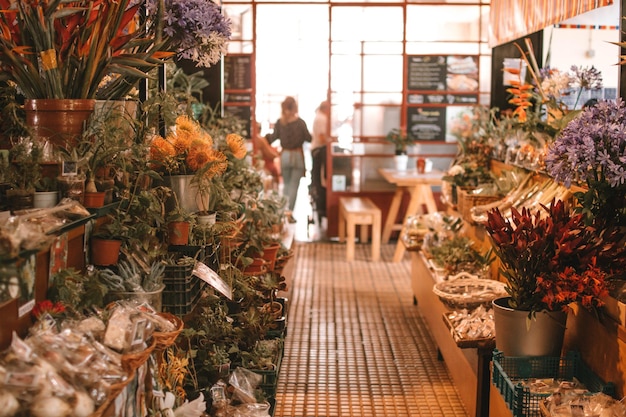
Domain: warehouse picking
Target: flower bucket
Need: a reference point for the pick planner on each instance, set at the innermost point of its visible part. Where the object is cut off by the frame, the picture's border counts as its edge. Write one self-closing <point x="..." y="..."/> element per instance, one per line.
<point x="105" y="252"/>
<point x="515" y="337"/>
<point x="189" y="197"/>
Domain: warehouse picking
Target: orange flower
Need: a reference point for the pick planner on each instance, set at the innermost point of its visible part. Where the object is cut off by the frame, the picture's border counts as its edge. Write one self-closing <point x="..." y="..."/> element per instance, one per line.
<point x="187" y="125"/>
<point x="161" y="149"/>
<point x="219" y="164"/>
<point x="236" y="145"/>
<point x="181" y="140"/>
<point x="198" y="157"/>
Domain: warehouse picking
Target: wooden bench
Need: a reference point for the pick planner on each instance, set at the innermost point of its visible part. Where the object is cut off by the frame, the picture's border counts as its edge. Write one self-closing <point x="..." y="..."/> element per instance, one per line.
<point x="359" y="211"/>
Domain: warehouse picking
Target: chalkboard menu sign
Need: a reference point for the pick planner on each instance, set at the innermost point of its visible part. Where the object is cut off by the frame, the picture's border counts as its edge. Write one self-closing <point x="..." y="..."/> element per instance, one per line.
<point x="443" y="72"/>
<point x="237" y="72"/>
<point x="427" y="72"/>
<point x="435" y="84"/>
<point x="415" y="98"/>
<point x="426" y="123"/>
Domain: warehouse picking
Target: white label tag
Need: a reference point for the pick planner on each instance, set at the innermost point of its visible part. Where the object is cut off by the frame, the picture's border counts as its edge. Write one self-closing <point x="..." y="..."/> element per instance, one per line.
<point x="210" y="277"/>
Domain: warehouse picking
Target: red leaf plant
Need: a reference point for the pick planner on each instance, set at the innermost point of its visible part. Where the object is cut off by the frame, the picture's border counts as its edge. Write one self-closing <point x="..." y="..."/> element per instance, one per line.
<point x="551" y="258"/>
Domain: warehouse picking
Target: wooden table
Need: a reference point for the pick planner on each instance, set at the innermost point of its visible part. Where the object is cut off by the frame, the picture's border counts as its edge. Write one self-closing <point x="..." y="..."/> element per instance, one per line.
<point x="419" y="187"/>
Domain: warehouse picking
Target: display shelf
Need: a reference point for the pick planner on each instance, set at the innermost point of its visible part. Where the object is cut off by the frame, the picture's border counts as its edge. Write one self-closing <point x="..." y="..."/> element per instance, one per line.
<point x="468" y="366"/>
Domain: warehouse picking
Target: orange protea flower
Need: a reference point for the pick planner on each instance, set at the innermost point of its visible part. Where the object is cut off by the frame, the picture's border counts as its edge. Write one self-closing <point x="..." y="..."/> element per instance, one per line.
<point x="161" y="149"/>
<point x="181" y="141"/>
<point x="219" y="164"/>
<point x="198" y="157"/>
<point x="203" y="141"/>
<point x="236" y="145"/>
<point x="185" y="124"/>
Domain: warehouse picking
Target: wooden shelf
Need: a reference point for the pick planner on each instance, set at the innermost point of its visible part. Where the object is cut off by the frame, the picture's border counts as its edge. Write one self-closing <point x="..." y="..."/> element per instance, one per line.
<point x="468" y="366"/>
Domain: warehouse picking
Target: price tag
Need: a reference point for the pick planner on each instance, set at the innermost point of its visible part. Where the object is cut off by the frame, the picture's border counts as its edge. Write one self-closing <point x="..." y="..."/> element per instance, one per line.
<point x="213" y="279"/>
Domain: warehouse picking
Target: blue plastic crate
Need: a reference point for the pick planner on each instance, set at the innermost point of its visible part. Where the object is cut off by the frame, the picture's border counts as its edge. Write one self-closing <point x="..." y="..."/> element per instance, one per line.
<point x="509" y="373"/>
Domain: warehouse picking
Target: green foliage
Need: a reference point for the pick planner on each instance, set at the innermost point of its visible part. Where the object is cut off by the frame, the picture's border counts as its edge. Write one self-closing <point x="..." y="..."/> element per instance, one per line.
<point x="76" y="290"/>
<point x="24" y="164"/>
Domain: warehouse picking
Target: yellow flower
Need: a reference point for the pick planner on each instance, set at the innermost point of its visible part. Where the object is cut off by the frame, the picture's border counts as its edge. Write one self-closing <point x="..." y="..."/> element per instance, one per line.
<point x="236" y="145"/>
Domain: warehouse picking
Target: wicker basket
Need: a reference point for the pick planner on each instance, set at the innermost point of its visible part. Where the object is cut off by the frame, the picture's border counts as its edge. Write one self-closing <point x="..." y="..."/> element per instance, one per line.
<point x="114" y="391"/>
<point x="467" y="199"/>
<point x="165" y="339"/>
<point x="132" y="361"/>
<point x="465" y="290"/>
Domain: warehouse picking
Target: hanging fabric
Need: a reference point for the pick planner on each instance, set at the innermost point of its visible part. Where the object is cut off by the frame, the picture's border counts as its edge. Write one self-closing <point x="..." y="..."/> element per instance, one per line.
<point x="513" y="19"/>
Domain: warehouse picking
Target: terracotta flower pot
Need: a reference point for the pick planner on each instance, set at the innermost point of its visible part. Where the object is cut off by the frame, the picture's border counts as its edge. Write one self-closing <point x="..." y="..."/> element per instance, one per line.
<point x="178" y="233"/>
<point x="94" y="200"/>
<point x="257" y="267"/>
<point x="59" y="121"/>
<point x="105" y="252"/>
<point x="269" y="254"/>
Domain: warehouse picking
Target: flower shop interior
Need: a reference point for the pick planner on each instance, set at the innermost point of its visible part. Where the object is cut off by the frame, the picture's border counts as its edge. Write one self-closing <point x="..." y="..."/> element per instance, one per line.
<point x="151" y="263"/>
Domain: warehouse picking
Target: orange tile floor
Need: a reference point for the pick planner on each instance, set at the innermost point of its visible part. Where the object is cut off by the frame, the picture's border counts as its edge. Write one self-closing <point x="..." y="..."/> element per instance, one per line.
<point x="356" y="345"/>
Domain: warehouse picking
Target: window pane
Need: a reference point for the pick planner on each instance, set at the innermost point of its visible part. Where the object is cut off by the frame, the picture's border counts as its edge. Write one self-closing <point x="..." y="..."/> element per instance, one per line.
<point x="346" y="73"/>
<point x="383" y="48"/>
<point x="382" y="73"/>
<point x="359" y="23"/>
<point x="441" y="48"/>
<point x="443" y="23"/>
<point x="381" y="98"/>
<point x="375" y="121"/>
<point x="346" y="47"/>
<point x="241" y="17"/>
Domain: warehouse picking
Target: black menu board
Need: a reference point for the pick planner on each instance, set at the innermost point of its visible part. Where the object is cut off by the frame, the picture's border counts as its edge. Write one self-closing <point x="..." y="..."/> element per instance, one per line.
<point x="427" y="72"/>
<point x="443" y="73"/>
<point x="237" y="72"/>
<point x="427" y="123"/>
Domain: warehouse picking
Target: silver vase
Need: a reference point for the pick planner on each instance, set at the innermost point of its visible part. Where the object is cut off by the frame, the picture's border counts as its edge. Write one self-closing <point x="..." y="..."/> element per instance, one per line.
<point x="516" y="335"/>
<point x="189" y="197"/>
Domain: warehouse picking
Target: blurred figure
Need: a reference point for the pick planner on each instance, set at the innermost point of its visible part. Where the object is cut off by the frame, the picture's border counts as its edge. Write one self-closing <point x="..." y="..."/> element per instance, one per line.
<point x="269" y="155"/>
<point x="292" y="132"/>
<point x="321" y="138"/>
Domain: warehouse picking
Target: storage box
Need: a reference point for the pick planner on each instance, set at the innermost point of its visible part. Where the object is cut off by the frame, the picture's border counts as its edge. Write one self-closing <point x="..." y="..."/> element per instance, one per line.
<point x="182" y="289"/>
<point x="509" y="373"/>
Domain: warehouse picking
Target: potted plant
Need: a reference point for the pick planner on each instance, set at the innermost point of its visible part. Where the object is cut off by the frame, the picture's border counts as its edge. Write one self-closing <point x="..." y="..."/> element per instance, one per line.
<point x="179" y="223"/>
<point x="549" y="259"/>
<point x="188" y="159"/>
<point x="24" y="172"/>
<point x="401" y="141"/>
<point x="46" y="193"/>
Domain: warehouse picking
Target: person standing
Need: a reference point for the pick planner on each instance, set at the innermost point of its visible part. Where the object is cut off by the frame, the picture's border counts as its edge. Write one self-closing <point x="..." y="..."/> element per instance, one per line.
<point x="321" y="138"/>
<point x="292" y="132"/>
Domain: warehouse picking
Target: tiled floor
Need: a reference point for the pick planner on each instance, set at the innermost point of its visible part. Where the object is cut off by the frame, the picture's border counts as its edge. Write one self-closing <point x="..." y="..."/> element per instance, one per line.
<point x="356" y="345"/>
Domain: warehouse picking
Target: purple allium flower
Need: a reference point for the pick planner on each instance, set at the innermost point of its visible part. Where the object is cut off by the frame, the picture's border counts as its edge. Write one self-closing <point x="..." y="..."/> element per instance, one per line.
<point x="592" y="147"/>
<point x="586" y="78"/>
<point x="196" y="29"/>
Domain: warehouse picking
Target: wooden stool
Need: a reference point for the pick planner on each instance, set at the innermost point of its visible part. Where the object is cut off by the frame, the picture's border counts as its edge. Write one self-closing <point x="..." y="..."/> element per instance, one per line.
<point x="363" y="212"/>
